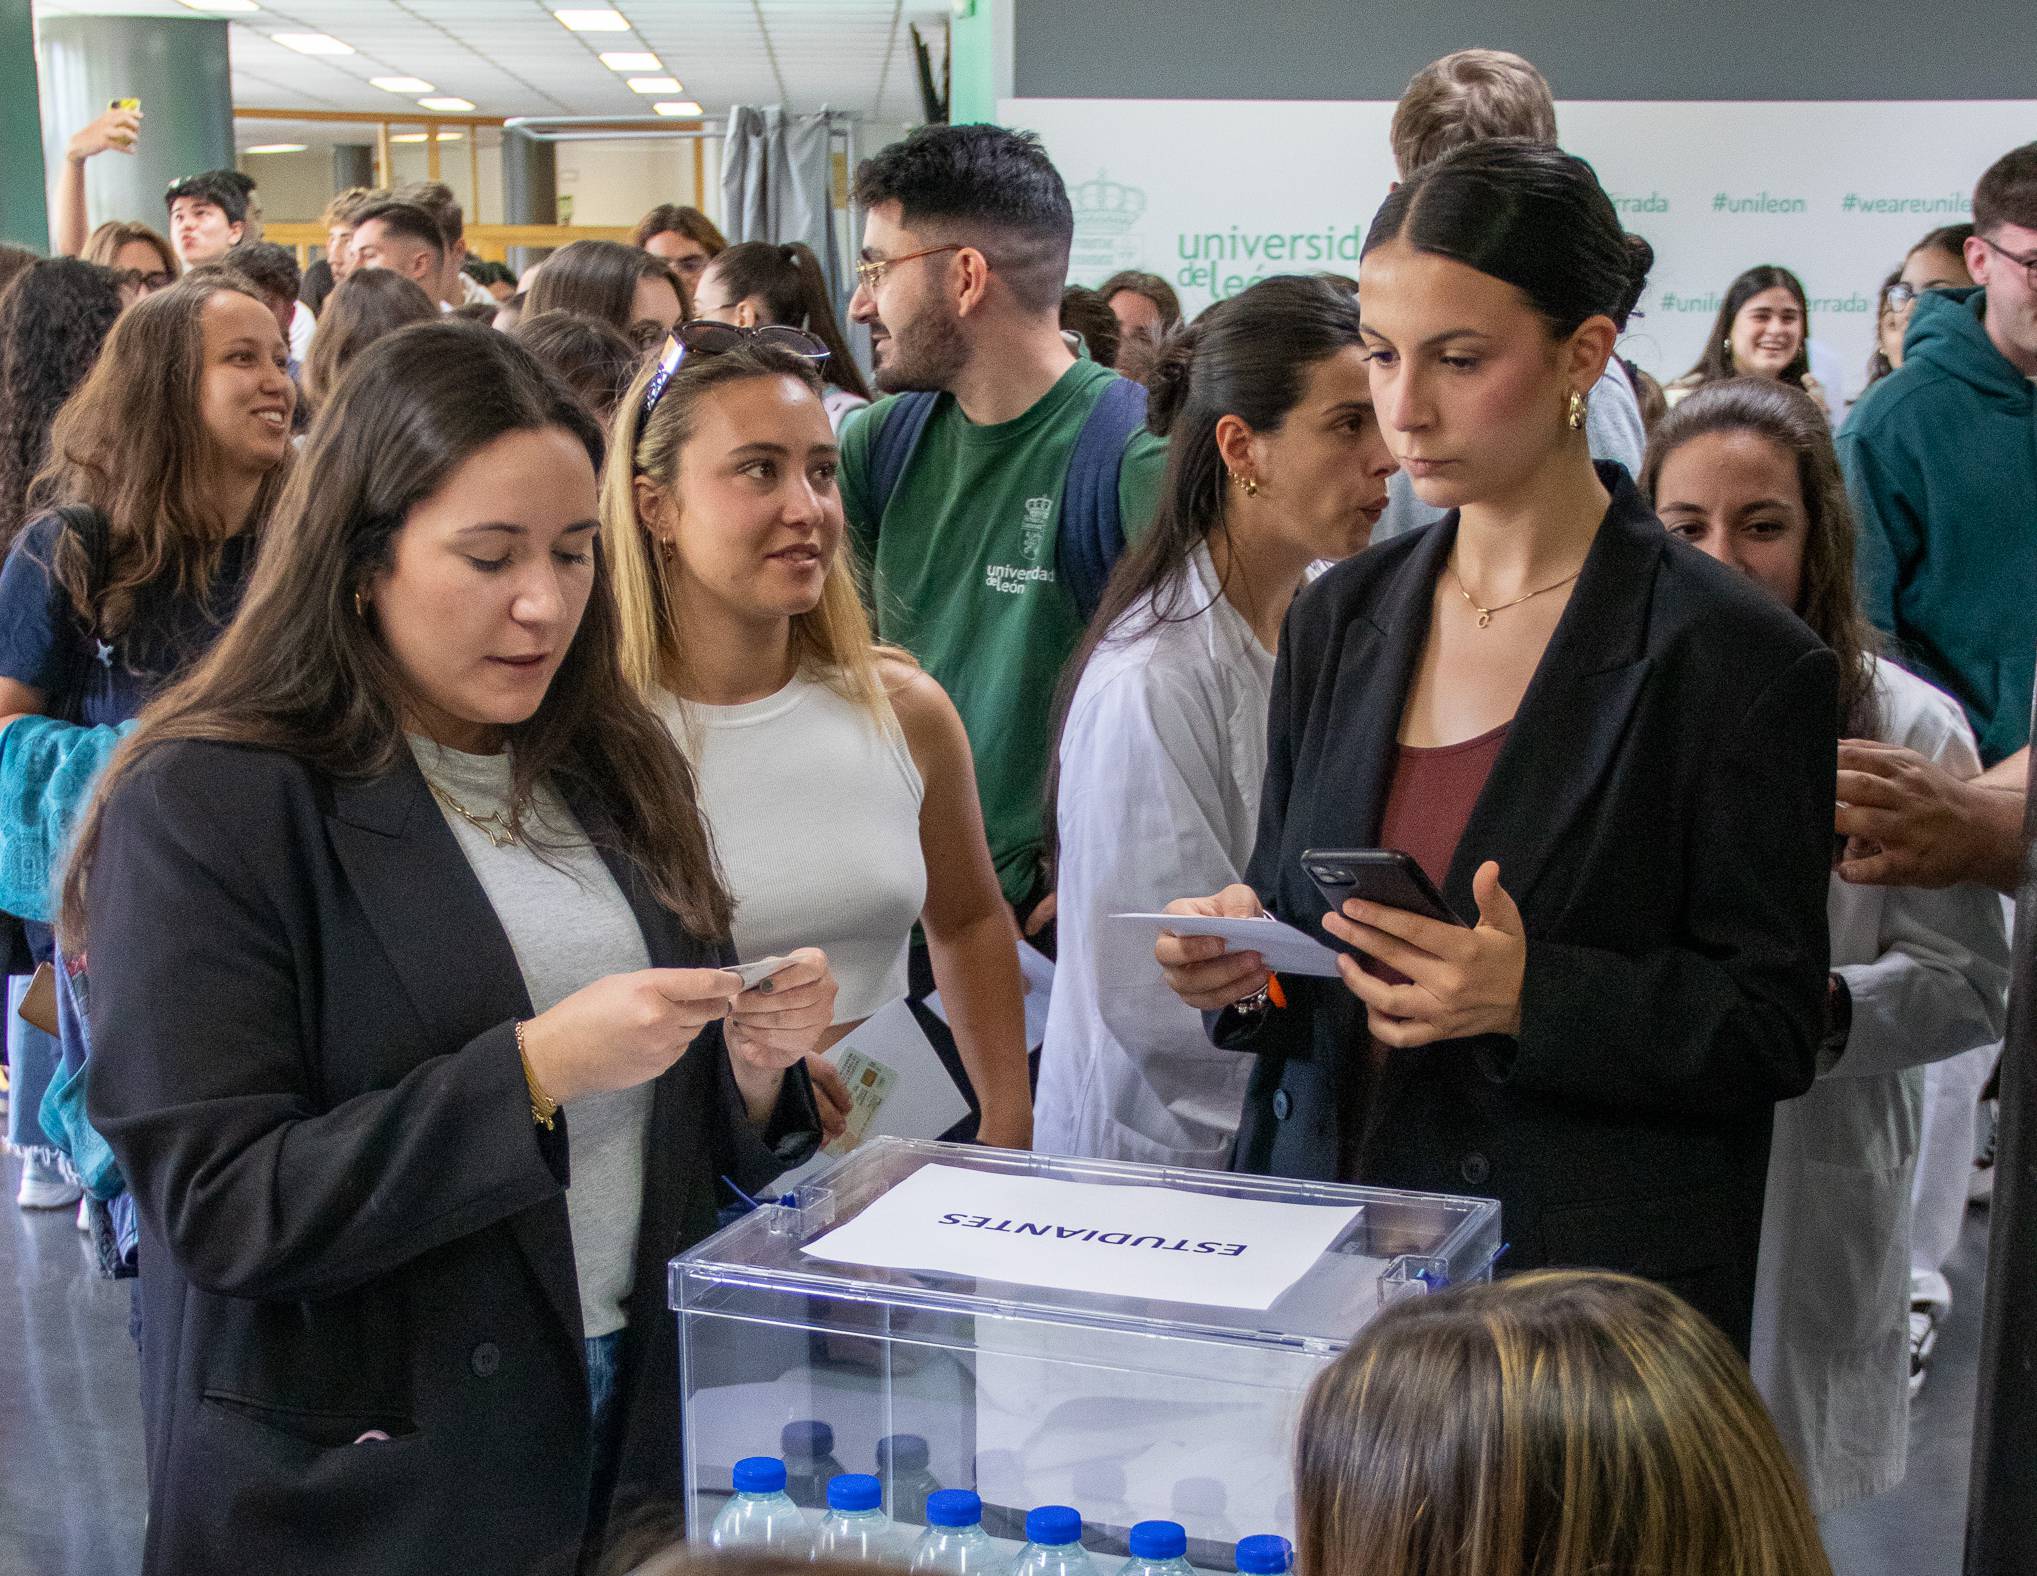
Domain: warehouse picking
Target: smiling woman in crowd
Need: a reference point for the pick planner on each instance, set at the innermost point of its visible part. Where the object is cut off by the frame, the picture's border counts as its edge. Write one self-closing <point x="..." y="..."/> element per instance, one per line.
<point x="1763" y="330"/>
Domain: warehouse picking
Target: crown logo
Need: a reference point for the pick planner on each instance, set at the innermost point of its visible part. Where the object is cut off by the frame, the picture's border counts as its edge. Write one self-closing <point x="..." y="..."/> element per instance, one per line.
<point x="1107" y="205"/>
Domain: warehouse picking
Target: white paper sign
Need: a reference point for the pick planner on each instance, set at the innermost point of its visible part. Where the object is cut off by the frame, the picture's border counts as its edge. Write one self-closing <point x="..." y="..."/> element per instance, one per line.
<point x="1156" y="1243"/>
<point x="1285" y="949"/>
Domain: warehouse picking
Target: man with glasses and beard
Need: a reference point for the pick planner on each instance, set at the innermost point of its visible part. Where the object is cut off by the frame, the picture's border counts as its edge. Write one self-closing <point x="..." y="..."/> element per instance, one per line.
<point x="991" y="497"/>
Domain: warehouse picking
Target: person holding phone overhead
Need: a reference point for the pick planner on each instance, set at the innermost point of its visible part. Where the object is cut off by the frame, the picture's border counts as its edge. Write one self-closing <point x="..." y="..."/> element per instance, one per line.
<point x="1611" y="754"/>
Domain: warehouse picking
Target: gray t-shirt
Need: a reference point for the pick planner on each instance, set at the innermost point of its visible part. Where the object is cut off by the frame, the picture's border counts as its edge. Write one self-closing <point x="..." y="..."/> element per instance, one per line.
<point x="1612" y="429"/>
<point x="569" y="925"/>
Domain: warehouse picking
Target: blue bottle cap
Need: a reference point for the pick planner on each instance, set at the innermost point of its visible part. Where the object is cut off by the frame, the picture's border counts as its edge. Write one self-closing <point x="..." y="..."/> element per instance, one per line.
<point x="1052" y="1524"/>
<point x="902" y="1453"/>
<point x="760" y="1475"/>
<point x="807" y="1438"/>
<point x="854" y="1491"/>
<point x="1268" y="1554"/>
<point x="954" y="1507"/>
<point x="1158" y="1540"/>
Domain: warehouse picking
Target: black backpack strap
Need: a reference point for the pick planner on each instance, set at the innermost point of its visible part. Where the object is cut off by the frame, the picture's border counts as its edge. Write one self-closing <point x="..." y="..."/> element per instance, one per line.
<point x="891" y="450"/>
<point x="1091" y="535"/>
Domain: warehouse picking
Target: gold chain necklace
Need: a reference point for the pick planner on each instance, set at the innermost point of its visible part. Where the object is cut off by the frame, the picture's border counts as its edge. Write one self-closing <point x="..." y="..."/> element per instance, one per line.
<point x="497" y="827"/>
<point x="1485" y="613"/>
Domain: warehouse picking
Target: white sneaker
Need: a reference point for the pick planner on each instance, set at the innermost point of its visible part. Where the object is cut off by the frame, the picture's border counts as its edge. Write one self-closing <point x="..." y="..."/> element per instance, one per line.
<point x="43" y="1188"/>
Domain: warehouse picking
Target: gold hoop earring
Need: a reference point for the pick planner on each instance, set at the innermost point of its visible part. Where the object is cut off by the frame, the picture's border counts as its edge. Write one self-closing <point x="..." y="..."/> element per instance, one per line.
<point x="360" y="605"/>
<point x="1574" y="416"/>
<point x="1251" y="487"/>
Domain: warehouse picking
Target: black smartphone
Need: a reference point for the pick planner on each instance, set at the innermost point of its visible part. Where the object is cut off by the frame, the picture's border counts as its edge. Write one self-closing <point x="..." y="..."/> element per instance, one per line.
<point x="1375" y="875"/>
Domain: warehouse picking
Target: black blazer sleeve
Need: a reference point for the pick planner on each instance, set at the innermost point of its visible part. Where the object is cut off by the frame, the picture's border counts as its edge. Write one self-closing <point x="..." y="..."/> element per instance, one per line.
<point x="1723" y="1013"/>
<point x="213" y="1112"/>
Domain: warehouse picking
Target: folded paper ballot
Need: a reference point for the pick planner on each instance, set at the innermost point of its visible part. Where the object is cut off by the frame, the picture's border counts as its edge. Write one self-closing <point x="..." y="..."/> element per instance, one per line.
<point x="1285" y="949"/>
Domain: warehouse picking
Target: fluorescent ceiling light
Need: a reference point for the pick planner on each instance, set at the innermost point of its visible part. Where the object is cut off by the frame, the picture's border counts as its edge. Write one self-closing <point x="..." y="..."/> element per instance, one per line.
<point x="312" y="43"/>
<point x="400" y="84"/>
<point x="654" y="85"/>
<point x="683" y="108"/>
<point x="455" y="106"/>
<point x="407" y="136"/>
<point x="237" y="7"/>
<point x="593" y="21"/>
<point x="628" y="60"/>
<point x="452" y="136"/>
<point x="276" y="147"/>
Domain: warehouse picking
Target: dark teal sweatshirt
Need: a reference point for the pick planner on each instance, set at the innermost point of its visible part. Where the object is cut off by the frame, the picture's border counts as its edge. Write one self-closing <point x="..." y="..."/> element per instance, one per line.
<point x="1941" y="464"/>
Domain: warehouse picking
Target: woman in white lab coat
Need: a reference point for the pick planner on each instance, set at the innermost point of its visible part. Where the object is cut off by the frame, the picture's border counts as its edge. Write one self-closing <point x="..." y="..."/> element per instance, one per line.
<point x="1275" y="462"/>
<point x="1744" y="470"/>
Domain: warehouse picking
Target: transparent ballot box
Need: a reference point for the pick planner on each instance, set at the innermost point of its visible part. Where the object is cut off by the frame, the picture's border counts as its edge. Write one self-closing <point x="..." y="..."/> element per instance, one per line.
<point x="1131" y="1340"/>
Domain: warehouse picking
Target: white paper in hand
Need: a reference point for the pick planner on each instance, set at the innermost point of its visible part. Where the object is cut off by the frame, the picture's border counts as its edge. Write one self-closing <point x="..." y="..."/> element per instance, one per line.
<point x="1285" y="949"/>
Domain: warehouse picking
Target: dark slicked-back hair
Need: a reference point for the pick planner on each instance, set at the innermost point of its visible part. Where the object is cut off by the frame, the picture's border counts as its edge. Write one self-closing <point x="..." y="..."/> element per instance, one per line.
<point x="405" y="219"/>
<point x="2007" y="193"/>
<point x="986" y="187"/>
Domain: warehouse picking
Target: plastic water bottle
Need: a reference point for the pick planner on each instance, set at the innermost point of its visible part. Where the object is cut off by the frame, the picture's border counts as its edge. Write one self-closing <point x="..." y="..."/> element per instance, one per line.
<point x="1053" y="1544"/>
<point x="810" y="1465"/>
<point x="1267" y="1554"/>
<point x="855" y="1527"/>
<point x="1159" y="1548"/>
<point x="902" y="1469"/>
<point x="761" y="1516"/>
<point x="954" y="1543"/>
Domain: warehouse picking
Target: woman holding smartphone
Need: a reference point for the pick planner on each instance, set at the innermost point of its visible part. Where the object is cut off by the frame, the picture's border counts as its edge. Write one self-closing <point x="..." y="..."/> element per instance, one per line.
<point x="413" y="1026"/>
<point x="1613" y="755"/>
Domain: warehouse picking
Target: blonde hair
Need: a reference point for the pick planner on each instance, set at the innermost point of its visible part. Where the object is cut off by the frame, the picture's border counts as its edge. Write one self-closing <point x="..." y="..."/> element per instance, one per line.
<point x="833" y="643"/>
<point x="1473" y="95"/>
<point x="104" y="244"/>
<point x="1560" y="1423"/>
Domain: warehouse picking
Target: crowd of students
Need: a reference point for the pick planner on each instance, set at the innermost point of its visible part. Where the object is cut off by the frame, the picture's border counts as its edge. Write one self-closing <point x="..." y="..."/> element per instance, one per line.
<point x="411" y="783"/>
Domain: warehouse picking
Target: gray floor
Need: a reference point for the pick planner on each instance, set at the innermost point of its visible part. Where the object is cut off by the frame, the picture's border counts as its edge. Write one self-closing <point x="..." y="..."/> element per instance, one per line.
<point x="71" y="1477"/>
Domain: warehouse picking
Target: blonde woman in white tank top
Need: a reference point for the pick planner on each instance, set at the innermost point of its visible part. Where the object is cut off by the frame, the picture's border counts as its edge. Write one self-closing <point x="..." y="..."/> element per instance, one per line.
<point x="835" y="775"/>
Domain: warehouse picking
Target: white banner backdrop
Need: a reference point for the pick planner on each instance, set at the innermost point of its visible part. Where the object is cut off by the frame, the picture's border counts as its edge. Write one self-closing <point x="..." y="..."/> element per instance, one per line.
<point x="1213" y="194"/>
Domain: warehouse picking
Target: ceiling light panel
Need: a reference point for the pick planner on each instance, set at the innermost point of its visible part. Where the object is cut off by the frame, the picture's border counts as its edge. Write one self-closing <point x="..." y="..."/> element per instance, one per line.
<point x="593" y="21"/>
<point x="276" y="147"/>
<point x="683" y="109"/>
<point x="312" y="43"/>
<point x="449" y="106"/>
<point x="404" y="85"/>
<point x="656" y="85"/>
<point x="628" y="60"/>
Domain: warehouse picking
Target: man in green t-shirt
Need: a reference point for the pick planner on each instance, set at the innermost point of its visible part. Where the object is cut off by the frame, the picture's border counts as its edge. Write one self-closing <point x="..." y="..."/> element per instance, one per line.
<point x="965" y="253"/>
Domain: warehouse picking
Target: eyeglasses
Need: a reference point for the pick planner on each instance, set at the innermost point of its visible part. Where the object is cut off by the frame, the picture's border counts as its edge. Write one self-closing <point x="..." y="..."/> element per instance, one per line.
<point x="134" y="278"/>
<point x="871" y="275"/>
<point x="702" y="336"/>
<point x="2027" y="264"/>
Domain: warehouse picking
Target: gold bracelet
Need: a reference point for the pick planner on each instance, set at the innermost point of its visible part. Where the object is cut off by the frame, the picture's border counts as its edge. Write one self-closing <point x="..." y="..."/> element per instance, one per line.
<point x="543" y="1108"/>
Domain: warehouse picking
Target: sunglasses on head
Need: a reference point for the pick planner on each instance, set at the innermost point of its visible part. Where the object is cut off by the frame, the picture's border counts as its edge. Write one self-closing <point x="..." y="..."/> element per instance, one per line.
<point x="702" y="336"/>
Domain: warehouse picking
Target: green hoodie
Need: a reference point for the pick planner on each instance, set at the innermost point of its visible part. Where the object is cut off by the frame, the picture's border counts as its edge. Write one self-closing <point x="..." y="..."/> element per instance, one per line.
<point x="1941" y="464"/>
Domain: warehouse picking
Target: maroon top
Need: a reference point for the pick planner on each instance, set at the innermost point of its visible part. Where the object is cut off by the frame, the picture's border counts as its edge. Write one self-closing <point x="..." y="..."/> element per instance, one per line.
<point x="1431" y="795"/>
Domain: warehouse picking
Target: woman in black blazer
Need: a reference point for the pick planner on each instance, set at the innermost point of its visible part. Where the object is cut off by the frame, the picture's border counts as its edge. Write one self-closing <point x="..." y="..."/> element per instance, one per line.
<point x="315" y="1053"/>
<point x="1644" y="842"/>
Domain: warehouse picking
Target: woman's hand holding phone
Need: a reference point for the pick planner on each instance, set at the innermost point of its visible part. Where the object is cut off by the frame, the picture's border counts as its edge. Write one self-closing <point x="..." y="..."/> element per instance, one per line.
<point x="1200" y="969"/>
<point x="1462" y="980"/>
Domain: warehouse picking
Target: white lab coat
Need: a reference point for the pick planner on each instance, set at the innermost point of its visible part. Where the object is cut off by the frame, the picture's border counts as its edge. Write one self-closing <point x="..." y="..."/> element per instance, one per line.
<point x="1929" y="974"/>
<point x="1162" y="758"/>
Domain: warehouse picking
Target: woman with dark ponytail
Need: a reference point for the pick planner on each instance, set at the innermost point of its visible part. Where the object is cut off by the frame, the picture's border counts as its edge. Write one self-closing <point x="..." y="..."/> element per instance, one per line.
<point x="1611" y="756"/>
<point x="1275" y="461"/>
<point x="755" y="283"/>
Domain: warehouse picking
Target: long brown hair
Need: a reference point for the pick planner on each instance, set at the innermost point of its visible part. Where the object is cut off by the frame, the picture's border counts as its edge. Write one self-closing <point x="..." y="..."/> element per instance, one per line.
<point x="1717" y="361"/>
<point x="599" y="279"/>
<point x="789" y="281"/>
<point x="1557" y="1424"/>
<point x="1790" y="419"/>
<point x="105" y="243"/>
<point x="364" y="306"/>
<point x="301" y="672"/>
<point x="673" y="219"/>
<point x="132" y="444"/>
<point x="832" y="643"/>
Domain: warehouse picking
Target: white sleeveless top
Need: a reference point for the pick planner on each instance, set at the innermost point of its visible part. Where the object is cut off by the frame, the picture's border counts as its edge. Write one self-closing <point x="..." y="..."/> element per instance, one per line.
<point x="814" y="807"/>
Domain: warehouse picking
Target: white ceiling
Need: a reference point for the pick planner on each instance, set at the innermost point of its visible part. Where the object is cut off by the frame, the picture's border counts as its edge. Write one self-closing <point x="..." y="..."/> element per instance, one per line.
<point x="510" y="57"/>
